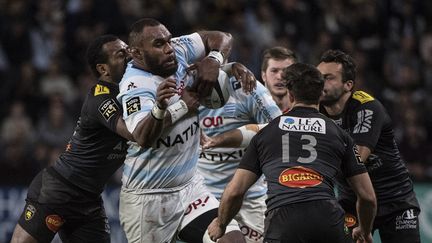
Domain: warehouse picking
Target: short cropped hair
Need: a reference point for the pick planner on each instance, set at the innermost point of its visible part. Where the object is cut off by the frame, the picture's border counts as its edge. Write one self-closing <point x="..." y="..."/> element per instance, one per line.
<point x="277" y="53"/>
<point x="95" y="53"/>
<point x="305" y="82"/>
<point x="349" y="68"/>
<point x="137" y="28"/>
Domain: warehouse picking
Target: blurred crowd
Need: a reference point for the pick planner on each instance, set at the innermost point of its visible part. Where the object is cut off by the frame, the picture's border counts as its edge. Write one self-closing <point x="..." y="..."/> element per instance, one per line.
<point x="44" y="76"/>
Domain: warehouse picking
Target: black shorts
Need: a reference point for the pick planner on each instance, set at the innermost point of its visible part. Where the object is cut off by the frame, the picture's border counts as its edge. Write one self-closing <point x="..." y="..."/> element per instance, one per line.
<point x="400" y="226"/>
<point x="54" y="205"/>
<point x="315" y="221"/>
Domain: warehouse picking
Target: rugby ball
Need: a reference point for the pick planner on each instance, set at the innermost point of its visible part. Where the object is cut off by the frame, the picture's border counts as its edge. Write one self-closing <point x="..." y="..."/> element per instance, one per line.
<point x="219" y="94"/>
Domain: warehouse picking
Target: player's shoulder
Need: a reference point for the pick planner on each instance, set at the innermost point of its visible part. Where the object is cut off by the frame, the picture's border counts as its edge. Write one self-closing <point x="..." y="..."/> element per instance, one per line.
<point x="101" y="95"/>
<point x="362" y="97"/>
<point x="186" y="39"/>
<point x="362" y="100"/>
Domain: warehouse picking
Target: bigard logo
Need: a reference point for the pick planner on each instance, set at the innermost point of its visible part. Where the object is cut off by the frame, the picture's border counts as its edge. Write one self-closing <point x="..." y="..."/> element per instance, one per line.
<point x="350" y="220"/>
<point x="54" y="222"/>
<point x="300" y="177"/>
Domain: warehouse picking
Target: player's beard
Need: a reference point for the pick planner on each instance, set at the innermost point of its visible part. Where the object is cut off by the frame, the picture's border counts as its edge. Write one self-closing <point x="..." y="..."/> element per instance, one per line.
<point x="117" y="73"/>
<point x="331" y="98"/>
<point x="155" y="67"/>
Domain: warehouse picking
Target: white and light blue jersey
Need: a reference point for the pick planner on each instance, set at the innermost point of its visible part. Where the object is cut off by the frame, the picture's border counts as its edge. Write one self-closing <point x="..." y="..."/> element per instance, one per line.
<point x="172" y="159"/>
<point x="217" y="165"/>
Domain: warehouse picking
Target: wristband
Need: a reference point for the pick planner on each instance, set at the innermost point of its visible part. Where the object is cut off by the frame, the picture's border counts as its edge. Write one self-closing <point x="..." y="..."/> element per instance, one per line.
<point x="158" y="113"/>
<point x="228" y="68"/>
<point x="216" y="55"/>
<point x="177" y="110"/>
<point x="247" y="135"/>
<point x="248" y="131"/>
<point x="261" y="126"/>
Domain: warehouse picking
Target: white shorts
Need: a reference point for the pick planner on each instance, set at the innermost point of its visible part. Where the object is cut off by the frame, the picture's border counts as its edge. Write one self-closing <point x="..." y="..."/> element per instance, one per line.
<point x="251" y="218"/>
<point x="156" y="216"/>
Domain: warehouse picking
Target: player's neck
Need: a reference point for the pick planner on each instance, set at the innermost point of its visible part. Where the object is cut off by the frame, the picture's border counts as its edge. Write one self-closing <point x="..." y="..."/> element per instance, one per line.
<point x="108" y="80"/>
<point x="338" y="107"/>
<point x="282" y="102"/>
<point x="300" y="104"/>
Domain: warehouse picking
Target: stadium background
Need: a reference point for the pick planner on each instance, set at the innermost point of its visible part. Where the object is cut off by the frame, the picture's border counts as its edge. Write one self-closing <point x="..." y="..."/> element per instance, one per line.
<point x="44" y="77"/>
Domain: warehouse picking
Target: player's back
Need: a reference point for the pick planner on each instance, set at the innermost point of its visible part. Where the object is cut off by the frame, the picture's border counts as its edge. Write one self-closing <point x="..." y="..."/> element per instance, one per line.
<point x="95" y="150"/>
<point x="301" y="154"/>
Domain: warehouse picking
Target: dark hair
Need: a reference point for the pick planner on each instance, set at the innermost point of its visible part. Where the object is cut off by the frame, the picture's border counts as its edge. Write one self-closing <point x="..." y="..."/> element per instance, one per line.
<point x="137" y="28"/>
<point x="278" y="53"/>
<point x="305" y="82"/>
<point x="348" y="64"/>
<point x="95" y="53"/>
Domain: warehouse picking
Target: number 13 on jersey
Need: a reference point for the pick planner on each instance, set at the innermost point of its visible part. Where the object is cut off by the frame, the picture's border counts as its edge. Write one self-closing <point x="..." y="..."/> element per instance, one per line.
<point x="309" y="146"/>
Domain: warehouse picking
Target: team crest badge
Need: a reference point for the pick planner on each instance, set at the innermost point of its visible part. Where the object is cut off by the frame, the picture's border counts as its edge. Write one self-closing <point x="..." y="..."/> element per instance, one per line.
<point x="29" y="212"/>
<point x="100" y="89"/>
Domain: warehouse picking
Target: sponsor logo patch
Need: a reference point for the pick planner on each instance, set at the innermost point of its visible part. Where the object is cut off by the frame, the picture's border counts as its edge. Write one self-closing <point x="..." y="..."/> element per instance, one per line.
<point x="54" y="222"/>
<point x="301" y="124"/>
<point x="236" y="85"/>
<point x="407" y="221"/>
<point x="364" y="121"/>
<point x="350" y="220"/>
<point x="131" y="86"/>
<point x="100" y="89"/>
<point x="357" y="155"/>
<point x="363" y="97"/>
<point x="300" y="177"/>
<point x="108" y="108"/>
<point x="133" y="105"/>
<point x="250" y="233"/>
<point x="29" y="212"/>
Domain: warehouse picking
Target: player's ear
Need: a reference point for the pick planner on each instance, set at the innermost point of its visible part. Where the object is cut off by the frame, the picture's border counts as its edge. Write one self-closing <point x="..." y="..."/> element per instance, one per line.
<point x="263" y="77"/>
<point x="349" y="85"/>
<point x="135" y="53"/>
<point x="102" y="69"/>
<point x="291" y="96"/>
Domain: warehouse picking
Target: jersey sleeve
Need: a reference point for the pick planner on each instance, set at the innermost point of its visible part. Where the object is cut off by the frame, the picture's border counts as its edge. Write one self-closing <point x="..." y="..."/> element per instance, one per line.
<point x="258" y="104"/>
<point x="137" y="97"/>
<point x="189" y="48"/>
<point x="105" y="109"/>
<point x="250" y="159"/>
<point x="352" y="164"/>
<point x="370" y="118"/>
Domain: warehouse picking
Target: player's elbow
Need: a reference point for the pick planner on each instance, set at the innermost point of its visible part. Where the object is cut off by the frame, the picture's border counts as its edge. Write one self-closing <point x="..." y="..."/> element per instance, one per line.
<point x="140" y="140"/>
<point x="228" y="35"/>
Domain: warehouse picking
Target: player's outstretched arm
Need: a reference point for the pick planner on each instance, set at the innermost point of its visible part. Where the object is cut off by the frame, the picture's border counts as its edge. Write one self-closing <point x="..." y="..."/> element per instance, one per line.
<point x="366" y="206"/>
<point x="239" y="137"/>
